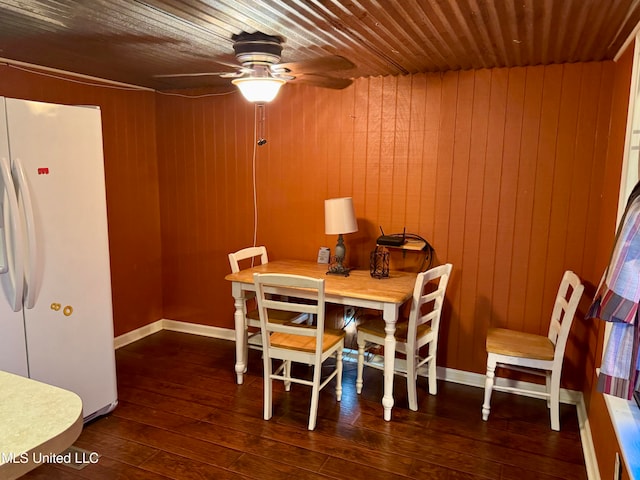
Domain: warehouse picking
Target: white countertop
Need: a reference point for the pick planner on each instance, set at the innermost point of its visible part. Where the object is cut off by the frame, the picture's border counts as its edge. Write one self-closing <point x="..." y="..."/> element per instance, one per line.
<point x="625" y="416"/>
<point x="36" y="420"/>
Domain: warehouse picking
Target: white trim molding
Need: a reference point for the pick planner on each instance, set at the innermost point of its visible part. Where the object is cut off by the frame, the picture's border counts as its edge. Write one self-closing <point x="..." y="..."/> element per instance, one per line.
<point x="174" y="326"/>
<point x="137" y="334"/>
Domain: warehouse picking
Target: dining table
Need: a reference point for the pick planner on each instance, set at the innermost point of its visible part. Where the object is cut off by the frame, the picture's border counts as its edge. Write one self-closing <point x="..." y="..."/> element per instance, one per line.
<point x="358" y="289"/>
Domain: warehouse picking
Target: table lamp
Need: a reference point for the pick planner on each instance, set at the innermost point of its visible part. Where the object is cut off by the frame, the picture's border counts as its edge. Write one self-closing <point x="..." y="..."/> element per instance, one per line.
<point x="339" y="218"/>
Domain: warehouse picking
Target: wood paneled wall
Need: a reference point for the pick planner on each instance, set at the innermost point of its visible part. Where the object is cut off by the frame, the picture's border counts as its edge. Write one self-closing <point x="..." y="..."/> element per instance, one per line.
<point x="129" y="141"/>
<point x="501" y="170"/>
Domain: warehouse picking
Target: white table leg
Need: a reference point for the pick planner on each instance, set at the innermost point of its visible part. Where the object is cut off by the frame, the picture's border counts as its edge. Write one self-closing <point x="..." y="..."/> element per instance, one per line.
<point x="240" y="332"/>
<point x="390" y="315"/>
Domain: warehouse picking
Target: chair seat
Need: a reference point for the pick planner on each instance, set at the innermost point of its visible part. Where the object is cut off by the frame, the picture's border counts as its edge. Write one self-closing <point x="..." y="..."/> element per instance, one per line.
<point x="276" y="316"/>
<point x="373" y="325"/>
<point x="503" y="341"/>
<point x="306" y="344"/>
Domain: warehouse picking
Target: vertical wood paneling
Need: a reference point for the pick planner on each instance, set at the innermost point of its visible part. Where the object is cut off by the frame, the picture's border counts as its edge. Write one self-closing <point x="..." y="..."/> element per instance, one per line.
<point x="529" y="243"/>
<point x="470" y="282"/>
<point x="483" y="309"/>
<point x="402" y="127"/>
<point x="415" y="152"/>
<point x="360" y="169"/>
<point x="430" y="147"/>
<point x="578" y="241"/>
<point x="374" y="135"/>
<point x="446" y="142"/>
<point x="459" y="338"/>
<point x="387" y="144"/>
<point x="506" y="234"/>
<point x="565" y="144"/>
<point x="491" y="166"/>
<point x="346" y="172"/>
<point x="543" y="192"/>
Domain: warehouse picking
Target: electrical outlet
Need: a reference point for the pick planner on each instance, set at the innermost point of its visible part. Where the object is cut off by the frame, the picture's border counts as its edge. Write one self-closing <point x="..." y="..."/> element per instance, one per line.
<point x="349" y="312"/>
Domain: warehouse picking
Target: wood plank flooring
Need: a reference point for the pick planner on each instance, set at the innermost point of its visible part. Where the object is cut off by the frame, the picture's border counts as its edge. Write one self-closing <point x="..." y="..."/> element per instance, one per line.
<point x="181" y="416"/>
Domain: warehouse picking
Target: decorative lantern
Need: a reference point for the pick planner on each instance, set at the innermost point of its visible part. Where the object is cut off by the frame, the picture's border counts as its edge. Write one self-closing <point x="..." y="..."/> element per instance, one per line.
<point x="379" y="263"/>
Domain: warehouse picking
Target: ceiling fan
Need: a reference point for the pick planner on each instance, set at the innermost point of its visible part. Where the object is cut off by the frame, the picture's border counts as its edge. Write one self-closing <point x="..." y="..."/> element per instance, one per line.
<point x="259" y="75"/>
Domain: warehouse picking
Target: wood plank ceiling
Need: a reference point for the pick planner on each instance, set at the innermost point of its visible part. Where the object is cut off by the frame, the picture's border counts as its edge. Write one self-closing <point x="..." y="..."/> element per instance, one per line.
<point x="131" y="41"/>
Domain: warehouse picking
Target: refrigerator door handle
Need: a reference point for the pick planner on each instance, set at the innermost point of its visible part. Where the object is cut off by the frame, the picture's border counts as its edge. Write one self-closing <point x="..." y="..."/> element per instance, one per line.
<point x="32" y="267"/>
<point x="4" y="257"/>
<point x="13" y="240"/>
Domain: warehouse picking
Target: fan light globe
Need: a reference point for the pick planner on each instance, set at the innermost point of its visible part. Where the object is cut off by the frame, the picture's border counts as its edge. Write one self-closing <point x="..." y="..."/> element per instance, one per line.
<point x="259" y="90"/>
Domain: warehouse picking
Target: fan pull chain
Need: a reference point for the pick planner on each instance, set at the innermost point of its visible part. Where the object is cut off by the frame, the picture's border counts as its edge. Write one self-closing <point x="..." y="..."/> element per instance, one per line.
<point x="261" y="139"/>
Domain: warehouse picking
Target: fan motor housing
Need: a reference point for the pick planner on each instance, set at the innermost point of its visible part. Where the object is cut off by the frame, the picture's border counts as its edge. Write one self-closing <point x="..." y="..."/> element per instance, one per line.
<point x="257" y="47"/>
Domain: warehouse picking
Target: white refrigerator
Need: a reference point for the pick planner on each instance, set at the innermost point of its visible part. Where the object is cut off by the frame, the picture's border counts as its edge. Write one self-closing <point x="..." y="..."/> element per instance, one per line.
<point x="56" y="320"/>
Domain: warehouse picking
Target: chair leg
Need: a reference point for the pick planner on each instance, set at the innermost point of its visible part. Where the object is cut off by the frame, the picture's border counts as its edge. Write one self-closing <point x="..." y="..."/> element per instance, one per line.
<point x="268" y="409"/>
<point x="555" y="401"/>
<point x="339" y="374"/>
<point x="361" y="343"/>
<point x="488" y="386"/>
<point x="433" y="384"/>
<point x="315" y="394"/>
<point x="411" y="381"/>
<point x="287" y="374"/>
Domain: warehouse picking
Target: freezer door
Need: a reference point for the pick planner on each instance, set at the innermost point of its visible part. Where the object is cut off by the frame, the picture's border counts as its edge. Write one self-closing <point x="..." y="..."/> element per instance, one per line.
<point x="13" y="351"/>
<point x="59" y="170"/>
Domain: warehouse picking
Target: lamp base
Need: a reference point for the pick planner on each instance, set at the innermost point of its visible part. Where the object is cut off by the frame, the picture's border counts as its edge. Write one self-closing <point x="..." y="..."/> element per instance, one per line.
<point x="339" y="269"/>
<point x="336" y="267"/>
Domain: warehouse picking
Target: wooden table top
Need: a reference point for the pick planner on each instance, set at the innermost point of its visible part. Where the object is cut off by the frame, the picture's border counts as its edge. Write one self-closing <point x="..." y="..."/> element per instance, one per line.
<point x="398" y="288"/>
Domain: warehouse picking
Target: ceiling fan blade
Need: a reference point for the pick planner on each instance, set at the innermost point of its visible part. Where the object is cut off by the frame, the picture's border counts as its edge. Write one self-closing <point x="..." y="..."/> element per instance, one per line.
<point x="239" y="72"/>
<point x="227" y="61"/>
<point x="315" y="65"/>
<point x="322" y="81"/>
<point x="198" y="74"/>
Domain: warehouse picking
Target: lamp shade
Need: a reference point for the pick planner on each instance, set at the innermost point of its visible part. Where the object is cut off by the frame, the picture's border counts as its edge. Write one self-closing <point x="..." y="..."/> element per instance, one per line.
<point x="259" y="90"/>
<point x="339" y="216"/>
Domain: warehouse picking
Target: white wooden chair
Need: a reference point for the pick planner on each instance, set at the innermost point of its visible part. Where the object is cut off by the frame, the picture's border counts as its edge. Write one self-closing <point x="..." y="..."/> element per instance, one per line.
<point x="301" y="343"/>
<point x="252" y="256"/>
<point x="537" y="354"/>
<point x="421" y="329"/>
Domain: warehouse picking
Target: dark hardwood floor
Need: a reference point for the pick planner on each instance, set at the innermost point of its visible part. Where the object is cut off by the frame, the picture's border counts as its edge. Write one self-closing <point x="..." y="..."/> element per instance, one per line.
<point x="182" y="416"/>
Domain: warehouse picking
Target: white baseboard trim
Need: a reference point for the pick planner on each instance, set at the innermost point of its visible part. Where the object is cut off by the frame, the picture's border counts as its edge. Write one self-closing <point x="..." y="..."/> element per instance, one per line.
<point x="137" y="334"/>
<point x="588" y="450"/>
<point x="198" y="329"/>
<point x="175" y="326"/>
<point x="447" y="374"/>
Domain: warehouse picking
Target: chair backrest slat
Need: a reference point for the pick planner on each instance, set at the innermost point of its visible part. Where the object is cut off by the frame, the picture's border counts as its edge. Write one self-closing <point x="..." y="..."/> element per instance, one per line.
<point x="416" y="316"/>
<point x="564" y="311"/>
<point x="311" y="289"/>
<point x="275" y="304"/>
<point x="246" y="253"/>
